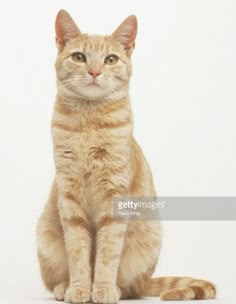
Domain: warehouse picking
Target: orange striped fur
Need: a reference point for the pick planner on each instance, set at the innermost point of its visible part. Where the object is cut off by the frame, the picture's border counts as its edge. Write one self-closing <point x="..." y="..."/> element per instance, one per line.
<point x="180" y="288"/>
<point x="84" y="253"/>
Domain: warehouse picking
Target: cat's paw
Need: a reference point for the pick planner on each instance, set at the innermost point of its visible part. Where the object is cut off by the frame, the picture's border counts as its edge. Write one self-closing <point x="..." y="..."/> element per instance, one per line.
<point x="59" y="291"/>
<point x="77" y="295"/>
<point x="106" y="295"/>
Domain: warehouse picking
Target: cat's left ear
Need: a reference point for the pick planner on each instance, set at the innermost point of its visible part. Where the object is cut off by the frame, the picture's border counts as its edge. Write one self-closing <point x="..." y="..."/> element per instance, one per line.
<point x="126" y="33"/>
<point x="66" y="29"/>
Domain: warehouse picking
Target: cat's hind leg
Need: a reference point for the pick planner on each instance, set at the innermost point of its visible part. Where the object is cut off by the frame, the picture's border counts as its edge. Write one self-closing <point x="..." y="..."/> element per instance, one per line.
<point x="51" y="248"/>
<point x="139" y="257"/>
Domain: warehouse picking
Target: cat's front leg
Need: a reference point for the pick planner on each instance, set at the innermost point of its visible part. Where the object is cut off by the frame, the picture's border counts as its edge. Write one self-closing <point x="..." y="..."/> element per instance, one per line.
<point x="109" y="244"/>
<point x="78" y="248"/>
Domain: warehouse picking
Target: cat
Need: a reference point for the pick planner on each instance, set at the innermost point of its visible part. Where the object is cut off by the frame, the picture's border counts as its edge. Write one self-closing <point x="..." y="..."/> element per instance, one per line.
<point x="85" y="253"/>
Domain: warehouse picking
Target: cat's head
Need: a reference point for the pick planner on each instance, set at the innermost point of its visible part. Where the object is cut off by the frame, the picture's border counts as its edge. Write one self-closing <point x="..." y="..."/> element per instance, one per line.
<point x="94" y="67"/>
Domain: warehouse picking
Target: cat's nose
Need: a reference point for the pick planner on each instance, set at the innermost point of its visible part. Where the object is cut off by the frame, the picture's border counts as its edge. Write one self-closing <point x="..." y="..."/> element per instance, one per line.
<point x="94" y="73"/>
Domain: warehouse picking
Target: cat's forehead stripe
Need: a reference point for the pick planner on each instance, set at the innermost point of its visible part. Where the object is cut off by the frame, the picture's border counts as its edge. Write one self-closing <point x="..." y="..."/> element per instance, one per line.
<point x="94" y="44"/>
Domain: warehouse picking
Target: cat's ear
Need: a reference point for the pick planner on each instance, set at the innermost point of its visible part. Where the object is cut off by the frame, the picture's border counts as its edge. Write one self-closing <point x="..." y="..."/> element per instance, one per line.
<point x="66" y="29"/>
<point x="126" y="33"/>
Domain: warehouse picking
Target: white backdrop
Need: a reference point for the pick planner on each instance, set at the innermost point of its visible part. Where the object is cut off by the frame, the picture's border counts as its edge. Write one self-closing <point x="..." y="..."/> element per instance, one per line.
<point x="184" y="103"/>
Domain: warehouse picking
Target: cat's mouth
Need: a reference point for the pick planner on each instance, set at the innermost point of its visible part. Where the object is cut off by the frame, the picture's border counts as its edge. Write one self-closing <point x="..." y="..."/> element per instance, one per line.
<point x="93" y="84"/>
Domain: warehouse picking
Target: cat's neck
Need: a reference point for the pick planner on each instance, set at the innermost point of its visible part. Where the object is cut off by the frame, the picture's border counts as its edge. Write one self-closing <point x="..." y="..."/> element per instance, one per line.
<point x="83" y="113"/>
<point x="76" y="103"/>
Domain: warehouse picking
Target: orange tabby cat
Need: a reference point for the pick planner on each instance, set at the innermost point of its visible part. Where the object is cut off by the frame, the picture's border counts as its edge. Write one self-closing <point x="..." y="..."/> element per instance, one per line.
<point x="86" y="254"/>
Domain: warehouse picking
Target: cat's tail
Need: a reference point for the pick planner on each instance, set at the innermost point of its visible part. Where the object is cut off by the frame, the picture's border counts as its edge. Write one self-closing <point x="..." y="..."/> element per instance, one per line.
<point x="180" y="288"/>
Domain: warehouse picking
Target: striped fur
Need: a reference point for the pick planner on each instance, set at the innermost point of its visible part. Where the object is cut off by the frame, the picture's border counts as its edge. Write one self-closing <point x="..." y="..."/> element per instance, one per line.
<point x="84" y="253"/>
<point x="180" y="288"/>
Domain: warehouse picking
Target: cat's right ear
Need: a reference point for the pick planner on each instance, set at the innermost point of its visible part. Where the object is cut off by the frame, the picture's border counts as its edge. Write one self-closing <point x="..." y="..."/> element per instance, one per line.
<point x="66" y="29"/>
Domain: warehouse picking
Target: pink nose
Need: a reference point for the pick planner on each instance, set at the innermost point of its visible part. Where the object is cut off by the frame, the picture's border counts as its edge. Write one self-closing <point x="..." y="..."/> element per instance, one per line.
<point x="94" y="73"/>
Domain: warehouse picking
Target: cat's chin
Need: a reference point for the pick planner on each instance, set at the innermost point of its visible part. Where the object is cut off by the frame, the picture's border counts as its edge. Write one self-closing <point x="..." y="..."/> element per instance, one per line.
<point x="97" y="92"/>
<point x="90" y="92"/>
<point x="93" y="92"/>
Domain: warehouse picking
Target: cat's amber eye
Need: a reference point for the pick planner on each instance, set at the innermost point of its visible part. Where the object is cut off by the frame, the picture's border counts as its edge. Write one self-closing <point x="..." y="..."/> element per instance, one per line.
<point x="111" y="59"/>
<point x="79" y="57"/>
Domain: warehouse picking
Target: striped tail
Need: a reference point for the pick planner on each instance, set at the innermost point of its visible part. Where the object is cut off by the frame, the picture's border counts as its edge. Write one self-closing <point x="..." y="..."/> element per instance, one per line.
<point x="180" y="288"/>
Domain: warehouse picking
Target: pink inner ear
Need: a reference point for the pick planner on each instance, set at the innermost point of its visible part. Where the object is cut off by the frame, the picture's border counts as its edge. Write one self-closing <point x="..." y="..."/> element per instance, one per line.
<point x="126" y="32"/>
<point x="66" y="28"/>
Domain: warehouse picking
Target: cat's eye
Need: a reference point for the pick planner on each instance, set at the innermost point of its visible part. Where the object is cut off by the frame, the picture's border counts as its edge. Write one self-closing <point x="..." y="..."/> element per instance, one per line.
<point x="79" y="57"/>
<point x="111" y="59"/>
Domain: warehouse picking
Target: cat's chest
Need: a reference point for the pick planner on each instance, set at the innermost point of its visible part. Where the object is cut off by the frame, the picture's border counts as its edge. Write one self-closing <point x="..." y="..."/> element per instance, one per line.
<point x="82" y="151"/>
